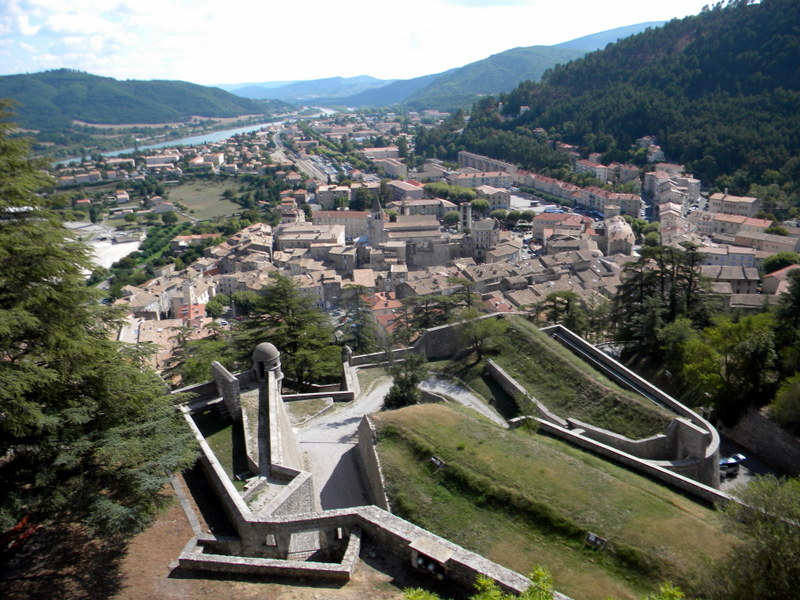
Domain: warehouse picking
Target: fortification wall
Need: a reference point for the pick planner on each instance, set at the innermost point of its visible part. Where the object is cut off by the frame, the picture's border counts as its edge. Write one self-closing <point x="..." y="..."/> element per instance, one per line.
<point x="370" y="464"/>
<point x="706" y="467"/>
<point x="653" y="448"/>
<point x="776" y="446"/>
<point x="233" y="505"/>
<point x="655" y="469"/>
<point x="228" y="388"/>
<point x="512" y="387"/>
<point x="284" y="445"/>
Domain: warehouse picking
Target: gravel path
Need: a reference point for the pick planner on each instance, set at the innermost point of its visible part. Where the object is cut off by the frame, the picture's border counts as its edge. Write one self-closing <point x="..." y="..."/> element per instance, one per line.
<point x="456" y="391"/>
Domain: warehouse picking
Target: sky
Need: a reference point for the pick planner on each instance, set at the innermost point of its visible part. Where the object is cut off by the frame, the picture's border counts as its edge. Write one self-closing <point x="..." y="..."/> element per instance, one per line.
<point x="241" y="41"/>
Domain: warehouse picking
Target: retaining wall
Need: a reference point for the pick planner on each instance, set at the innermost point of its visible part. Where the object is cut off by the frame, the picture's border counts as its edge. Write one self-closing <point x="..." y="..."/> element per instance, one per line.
<point x="228" y="388"/>
<point x="773" y="444"/>
<point x="706" y="467"/>
<point x="370" y="464"/>
<point x="512" y="387"/>
<point x="653" y="469"/>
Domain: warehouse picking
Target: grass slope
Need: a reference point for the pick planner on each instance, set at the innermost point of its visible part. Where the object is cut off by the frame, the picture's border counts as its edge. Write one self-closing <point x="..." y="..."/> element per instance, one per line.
<point x="523" y="499"/>
<point x="571" y="388"/>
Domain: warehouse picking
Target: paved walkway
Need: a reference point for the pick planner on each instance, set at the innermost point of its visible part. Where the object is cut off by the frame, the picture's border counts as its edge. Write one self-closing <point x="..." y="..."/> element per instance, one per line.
<point x="329" y="441"/>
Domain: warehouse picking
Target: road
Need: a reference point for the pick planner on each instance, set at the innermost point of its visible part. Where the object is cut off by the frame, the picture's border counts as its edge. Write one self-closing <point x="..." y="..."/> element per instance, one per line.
<point x="306" y="166"/>
<point x="329" y="441"/>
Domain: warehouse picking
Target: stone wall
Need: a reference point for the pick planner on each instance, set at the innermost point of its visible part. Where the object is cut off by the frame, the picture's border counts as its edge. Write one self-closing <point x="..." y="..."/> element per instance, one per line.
<point x="370" y="465"/>
<point x="681" y="440"/>
<point x="512" y="387"/>
<point x="653" y="448"/>
<point x="284" y="445"/>
<point x="706" y="466"/>
<point x="233" y="505"/>
<point x="774" y="445"/>
<point x="228" y="388"/>
<point x="655" y="469"/>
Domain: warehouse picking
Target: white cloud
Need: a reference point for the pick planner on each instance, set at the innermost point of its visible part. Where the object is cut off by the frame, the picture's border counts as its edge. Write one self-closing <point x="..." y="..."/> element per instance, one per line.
<point x="208" y="41"/>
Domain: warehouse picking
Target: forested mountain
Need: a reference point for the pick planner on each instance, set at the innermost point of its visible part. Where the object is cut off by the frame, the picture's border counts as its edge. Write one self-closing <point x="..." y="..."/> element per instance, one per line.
<point x="720" y="90"/>
<point x="394" y="93"/>
<point x="459" y="87"/>
<point x="598" y="41"/>
<point x="498" y="73"/>
<point x="51" y="100"/>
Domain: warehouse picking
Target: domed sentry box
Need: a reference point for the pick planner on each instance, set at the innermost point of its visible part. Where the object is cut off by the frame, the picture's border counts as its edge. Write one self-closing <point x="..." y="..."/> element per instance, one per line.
<point x="266" y="358"/>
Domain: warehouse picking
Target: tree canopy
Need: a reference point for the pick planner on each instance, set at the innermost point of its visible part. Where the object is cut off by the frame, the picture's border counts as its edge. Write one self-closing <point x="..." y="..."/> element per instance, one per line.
<point x="86" y="431"/>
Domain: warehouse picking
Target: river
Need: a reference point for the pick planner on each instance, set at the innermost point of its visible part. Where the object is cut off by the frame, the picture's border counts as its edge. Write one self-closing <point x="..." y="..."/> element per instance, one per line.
<point x="195" y="140"/>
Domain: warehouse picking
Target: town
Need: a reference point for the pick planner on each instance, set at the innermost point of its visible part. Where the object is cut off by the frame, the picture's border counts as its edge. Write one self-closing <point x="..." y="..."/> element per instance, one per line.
<point x="394" y="230"/>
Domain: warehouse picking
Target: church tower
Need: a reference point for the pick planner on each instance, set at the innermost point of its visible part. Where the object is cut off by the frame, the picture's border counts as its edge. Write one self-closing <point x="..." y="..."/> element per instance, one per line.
<point x="375" y="229"/>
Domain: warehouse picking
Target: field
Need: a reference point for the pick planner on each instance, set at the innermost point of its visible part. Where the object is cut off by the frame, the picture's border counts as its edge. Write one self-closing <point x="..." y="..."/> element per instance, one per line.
<point x="523" y="499"/>
<point x="204" y="198"/>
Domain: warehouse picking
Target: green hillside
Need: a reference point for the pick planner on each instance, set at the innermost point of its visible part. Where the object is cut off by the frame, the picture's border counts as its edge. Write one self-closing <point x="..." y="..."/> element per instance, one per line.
<point x="524" y="499"/>
<point x="459" y="87"/>
<point x="498" y="73"/>
<point x="387" y="95"/>
<point x="53" y="99"/>
<point x="720" y="90"/>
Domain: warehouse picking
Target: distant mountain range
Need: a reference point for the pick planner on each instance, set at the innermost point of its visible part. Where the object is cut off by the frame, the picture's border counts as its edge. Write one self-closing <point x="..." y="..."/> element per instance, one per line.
<point x="51" y="100"/>
<point x="308" y="91"/>
<point x="451" y="89"/>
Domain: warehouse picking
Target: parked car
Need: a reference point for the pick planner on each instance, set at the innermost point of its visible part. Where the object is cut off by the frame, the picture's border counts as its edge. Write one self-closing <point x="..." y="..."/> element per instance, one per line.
<point x="729" y="466"/>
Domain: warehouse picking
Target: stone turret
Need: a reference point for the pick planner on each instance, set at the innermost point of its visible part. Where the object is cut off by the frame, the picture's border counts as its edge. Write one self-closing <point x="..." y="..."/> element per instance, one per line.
<point x="266" y="358"/>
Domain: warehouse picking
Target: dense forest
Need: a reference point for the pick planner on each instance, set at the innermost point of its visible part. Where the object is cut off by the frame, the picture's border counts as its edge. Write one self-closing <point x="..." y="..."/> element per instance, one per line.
<point x="721" y="91"/>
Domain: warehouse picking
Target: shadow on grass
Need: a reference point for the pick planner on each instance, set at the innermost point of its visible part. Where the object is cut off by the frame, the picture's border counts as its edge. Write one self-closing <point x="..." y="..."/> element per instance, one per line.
<point x="64" y="562"/>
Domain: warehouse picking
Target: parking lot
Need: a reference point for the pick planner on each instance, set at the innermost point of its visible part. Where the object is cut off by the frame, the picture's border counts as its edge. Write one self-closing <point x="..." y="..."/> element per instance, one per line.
<point x="749" y="468"/>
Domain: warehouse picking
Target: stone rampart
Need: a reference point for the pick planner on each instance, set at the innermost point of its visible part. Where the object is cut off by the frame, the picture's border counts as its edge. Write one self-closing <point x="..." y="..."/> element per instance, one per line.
<point x="228" y="388"/>
<point x="512" y="387"/>
<point x="339" y="396"/>
<point x="706" y="461"/>
<point x="376" y="358"/>
<point x="284" y="445"/>
<point x="199" y="392"/>
<point x="232" y="502"/>
<point x="370" y="465"/>
<point x="773" y="444"/>
<point x="654" y="469"/>
<point x="681" y="440"/>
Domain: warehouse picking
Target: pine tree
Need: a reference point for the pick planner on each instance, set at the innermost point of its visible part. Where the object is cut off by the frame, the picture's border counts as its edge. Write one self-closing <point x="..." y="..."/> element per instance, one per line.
<point x="86" y="431"/>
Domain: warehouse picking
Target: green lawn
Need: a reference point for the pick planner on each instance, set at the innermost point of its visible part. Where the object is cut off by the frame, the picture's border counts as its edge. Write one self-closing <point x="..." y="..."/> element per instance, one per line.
<point x="524" y="499"/>
<point x="204" y="197"/>
<point x="226" y="439"/>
